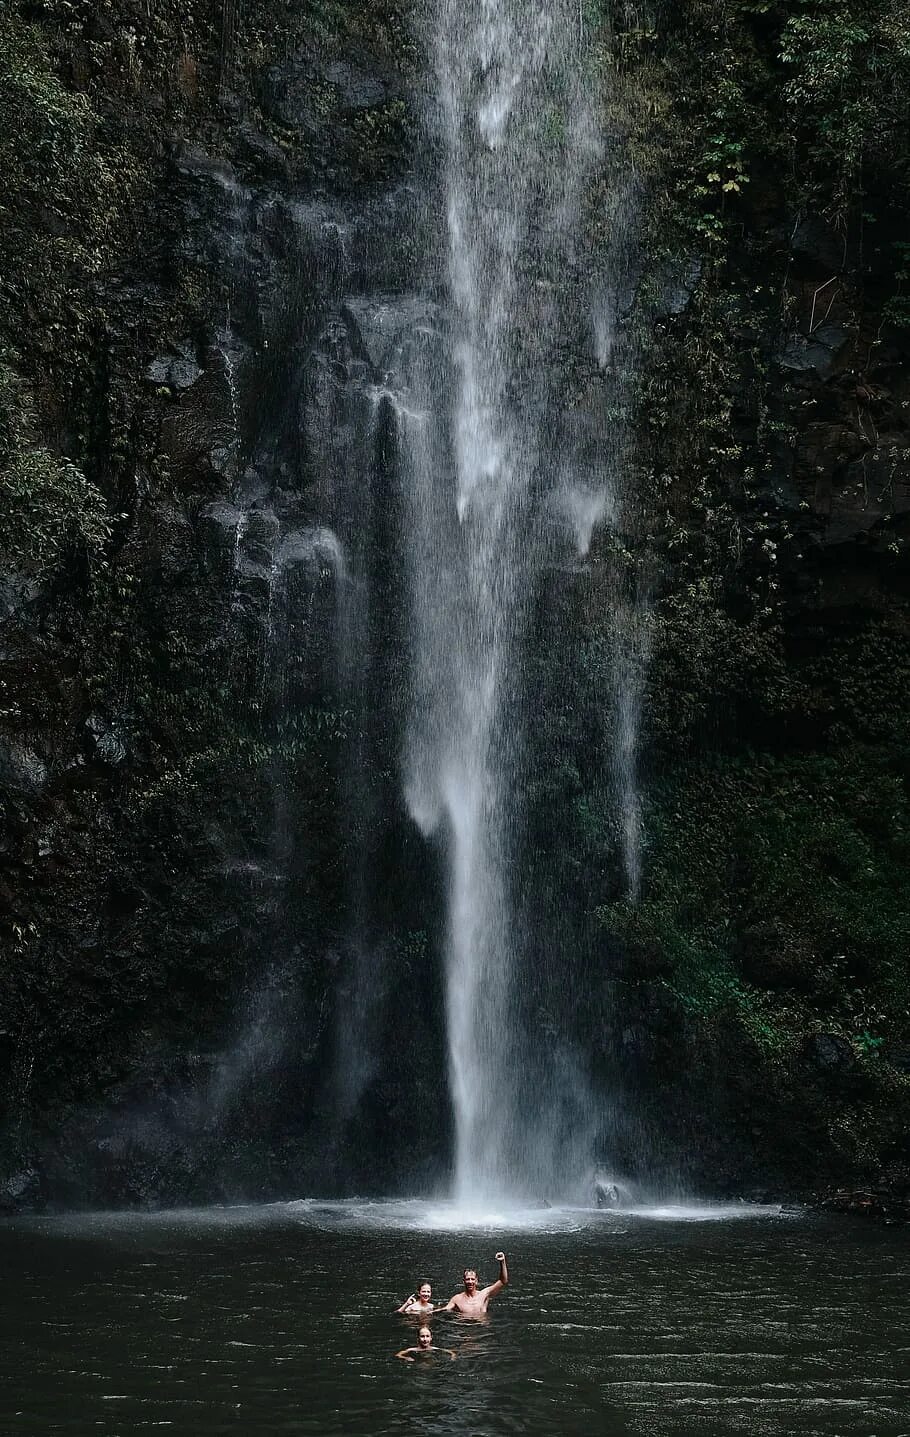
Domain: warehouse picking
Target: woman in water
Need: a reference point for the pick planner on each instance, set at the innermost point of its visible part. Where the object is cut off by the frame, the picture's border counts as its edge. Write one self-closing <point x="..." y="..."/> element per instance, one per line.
<point x="420" y="1303"/>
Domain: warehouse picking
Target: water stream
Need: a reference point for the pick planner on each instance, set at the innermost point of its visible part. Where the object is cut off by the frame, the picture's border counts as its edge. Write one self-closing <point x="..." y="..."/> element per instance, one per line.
<point x="502" y="479"/>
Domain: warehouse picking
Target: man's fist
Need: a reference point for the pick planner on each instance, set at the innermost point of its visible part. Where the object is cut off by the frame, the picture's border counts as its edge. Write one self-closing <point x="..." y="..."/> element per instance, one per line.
<point x="500" y="1257"/>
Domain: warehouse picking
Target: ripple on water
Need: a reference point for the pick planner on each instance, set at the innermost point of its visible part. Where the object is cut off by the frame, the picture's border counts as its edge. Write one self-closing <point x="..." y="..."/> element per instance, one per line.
<point x="610" y="1327"/>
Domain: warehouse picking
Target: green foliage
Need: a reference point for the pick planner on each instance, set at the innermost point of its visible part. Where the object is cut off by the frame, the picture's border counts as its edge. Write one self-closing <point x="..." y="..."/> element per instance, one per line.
<point x="48" y="507"/>
<point x="58" y="211"/>
<point x="867" y="1044"/>
<point x="716" y="131"/>
<point x="270" y="29"/>
<point x="45" y="129"/>
<point x="66" y="214"/>
<point x="379" y="137"/>
<point x="822" y="95"/>
<point x="777" y="816"/>
<point x="775" y="901"/>
<point x="896" y="310"/>
<point x="708" y="665"/>
<point x="848" y="86"/>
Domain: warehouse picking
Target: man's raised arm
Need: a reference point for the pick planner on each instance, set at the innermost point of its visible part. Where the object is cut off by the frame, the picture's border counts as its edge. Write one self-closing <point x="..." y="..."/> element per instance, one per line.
<point x="501" y="1282"/>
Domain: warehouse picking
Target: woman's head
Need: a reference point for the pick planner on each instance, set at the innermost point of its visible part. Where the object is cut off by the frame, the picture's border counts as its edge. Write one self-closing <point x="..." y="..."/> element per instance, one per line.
<point x="425" y="1292"/>
<point x="425" y="1338"/>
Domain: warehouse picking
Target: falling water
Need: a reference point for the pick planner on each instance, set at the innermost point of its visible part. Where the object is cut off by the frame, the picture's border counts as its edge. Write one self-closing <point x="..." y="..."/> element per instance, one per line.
<point x="519" y="143"/>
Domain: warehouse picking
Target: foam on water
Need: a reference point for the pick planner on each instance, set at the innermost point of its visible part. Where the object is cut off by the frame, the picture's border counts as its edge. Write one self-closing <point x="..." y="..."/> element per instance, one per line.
<point x="413" y="1214"/>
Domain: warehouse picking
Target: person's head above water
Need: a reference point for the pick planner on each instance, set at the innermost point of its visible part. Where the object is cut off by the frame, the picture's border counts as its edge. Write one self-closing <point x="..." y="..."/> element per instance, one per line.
<point x="420" y="1301"/>
<point x="470" y="1280"/>
<point x="425" y="1343"/>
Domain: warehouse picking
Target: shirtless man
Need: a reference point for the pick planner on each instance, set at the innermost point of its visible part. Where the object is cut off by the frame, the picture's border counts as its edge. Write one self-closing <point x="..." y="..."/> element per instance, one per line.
<point x="474" y="1303"/>
<point x="420" y="1303"/>
<point x="425" y="1341"/>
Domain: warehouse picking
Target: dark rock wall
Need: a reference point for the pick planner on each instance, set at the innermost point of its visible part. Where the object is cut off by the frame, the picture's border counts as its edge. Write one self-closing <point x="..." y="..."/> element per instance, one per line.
<point x="772" y="932"/>
<point x="208" y="928"/>
<point x="220" y="933"/>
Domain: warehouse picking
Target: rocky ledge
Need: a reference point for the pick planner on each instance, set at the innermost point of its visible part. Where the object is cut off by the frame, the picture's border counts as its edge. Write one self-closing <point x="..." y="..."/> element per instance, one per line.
<point x="886" y="1200"/>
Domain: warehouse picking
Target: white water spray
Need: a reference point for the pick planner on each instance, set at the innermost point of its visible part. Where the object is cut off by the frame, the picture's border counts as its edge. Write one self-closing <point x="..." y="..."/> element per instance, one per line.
<point x="519" y="144"/>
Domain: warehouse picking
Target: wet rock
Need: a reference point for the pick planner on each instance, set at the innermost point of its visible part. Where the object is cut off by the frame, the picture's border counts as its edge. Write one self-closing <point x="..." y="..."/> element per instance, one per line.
<point x="898" y="1055"/>
<point x="20" y="1190"/>
<point x="885" y="1200"/>
<point x="638" y="1043"/>
<point x="108" y="741"/>
<point x="22" y="770"/>
<point x="171" y="549"/>
<point x="355" y="89"/>
<point x="381" y="325"/>
<point x="382" y="240"/>
<point x="817" y="245"/>
<point x="291" y="94"/>
<point x="262" y="152"/>
<point x="829" y="1052"/>
<point x="883" y="475"/>
<point x="677" y="286"/>
<point x="827" y="446"/>
<point x="177" y="371"/>
<point x="609" y="1193"/>
<point x="816" y="353"/>
<point x="258" y="541"/>
<point x="218" y="523"/>
<point x="875" y="489"/>
<point x="606" y="1195"/>
<point x="17" y="592"/>
<point x="302" y="95"/>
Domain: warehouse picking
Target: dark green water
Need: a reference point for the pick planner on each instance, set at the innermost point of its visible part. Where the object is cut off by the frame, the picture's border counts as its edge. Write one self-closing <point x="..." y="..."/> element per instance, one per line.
<point x="278" y="1320"/>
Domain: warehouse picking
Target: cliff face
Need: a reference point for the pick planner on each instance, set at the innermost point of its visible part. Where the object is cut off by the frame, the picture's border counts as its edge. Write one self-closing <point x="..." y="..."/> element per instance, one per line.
<point x="204" y="901"/>
<point x="221" y="933"/>
<point x="770" y="944"/>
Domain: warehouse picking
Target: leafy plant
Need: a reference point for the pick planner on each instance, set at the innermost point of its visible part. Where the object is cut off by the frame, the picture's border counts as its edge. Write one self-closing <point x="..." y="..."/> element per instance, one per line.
<point x="47" y="505"/>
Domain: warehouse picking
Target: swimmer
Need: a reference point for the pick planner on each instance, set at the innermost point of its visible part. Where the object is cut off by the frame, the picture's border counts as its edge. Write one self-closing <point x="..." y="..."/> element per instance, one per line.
<point x="420" y="1303"/>
<point x="473" y="1302"/>
<point x="425" y="1341"/>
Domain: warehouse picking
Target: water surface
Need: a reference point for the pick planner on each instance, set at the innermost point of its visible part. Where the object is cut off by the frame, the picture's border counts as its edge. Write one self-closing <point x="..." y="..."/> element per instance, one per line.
<point x="279" y="1320"/>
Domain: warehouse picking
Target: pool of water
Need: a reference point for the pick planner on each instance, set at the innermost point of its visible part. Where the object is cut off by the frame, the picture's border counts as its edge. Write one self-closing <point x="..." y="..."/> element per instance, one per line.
<point x="280" y="1319"/>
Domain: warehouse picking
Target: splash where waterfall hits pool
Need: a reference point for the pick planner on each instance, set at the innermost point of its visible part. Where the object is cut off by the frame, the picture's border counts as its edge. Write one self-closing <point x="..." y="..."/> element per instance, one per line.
<point x="279" y="1320"/>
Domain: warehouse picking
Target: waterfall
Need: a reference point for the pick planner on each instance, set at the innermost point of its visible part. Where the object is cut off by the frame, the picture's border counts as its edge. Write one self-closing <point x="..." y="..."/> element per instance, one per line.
<point x="488" y="478"/>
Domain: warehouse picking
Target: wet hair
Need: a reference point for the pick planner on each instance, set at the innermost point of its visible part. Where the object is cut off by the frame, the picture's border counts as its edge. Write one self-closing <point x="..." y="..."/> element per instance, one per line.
<point x="469" y="1269"/>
